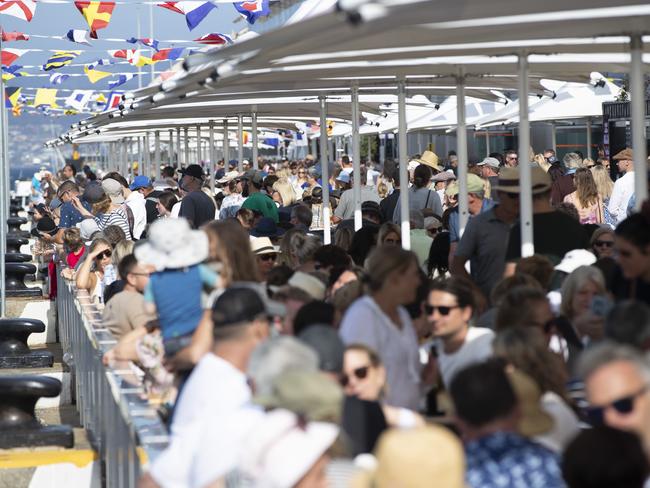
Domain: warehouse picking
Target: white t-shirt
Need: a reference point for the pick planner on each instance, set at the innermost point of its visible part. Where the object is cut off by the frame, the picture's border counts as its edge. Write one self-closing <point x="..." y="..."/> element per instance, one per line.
<point x="138" y="205"/>
<point x="214" y="391"/>
<point x="566" y="424"/>
<point x="365" y="323"/>
<point x="621" y="194"/>
<point x="221" y="445"/>
<point x="476" y="348"/>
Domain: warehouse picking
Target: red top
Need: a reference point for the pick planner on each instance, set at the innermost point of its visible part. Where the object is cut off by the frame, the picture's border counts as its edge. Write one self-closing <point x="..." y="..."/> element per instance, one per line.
<point x="72" y="259"/>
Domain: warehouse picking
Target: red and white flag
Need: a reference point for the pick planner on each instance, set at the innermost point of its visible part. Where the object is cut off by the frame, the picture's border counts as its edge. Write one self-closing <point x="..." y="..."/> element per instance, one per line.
<point x="22" y="9"/>
<point x="11" y="55"/>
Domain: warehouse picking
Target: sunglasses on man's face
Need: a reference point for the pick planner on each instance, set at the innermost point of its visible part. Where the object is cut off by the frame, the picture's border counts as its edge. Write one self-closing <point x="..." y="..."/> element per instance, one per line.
<point x="623" y="406"/>
<point x="442" y="309"/>
<point x="268" y="257"/>
<point x="603" y="243"/>
<point x="359" y="373"/>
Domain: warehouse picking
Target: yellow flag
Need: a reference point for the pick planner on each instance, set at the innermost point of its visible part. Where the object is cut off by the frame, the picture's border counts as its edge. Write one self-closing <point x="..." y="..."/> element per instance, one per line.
<point x="101" y="98"/>
<point x="94" y="75"/>
<point x="45" y="96"/>
<point x="144" y="61"/>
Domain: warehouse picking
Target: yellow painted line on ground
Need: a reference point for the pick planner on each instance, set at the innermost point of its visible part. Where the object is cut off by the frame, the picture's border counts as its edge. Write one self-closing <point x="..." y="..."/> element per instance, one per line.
<point x="30" y="459"/>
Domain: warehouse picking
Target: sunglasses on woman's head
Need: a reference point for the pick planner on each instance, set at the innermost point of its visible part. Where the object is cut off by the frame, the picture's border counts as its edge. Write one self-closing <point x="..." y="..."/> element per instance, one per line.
<point x="442" y="310"/>
<point x="359" y="373"/>
<point x="105" y="254"/>
<point x="604" y="243"/>
<point x="623" y="406"/>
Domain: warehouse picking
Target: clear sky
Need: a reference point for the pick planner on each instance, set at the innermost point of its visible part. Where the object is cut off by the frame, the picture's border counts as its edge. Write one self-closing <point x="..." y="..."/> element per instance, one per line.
<point x="58" y="19"/>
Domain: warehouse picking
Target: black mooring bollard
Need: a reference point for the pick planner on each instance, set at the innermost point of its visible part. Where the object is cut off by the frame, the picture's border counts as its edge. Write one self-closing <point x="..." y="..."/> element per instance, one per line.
<point x="18" y="422"/>
<point x="16" y="257"/>
<point x="15" y="274"/>
<point x="14" y="209"/>
<point x="14" y="351"/>
<point x="15" y="243"/>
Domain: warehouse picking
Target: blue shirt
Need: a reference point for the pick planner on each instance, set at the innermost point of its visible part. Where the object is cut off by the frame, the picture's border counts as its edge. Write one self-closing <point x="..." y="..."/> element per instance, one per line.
<point x="508" y="460"/>
<point x="177" y="296"/>
<point x="454" y="220"/>
<point x="70" y="216"/>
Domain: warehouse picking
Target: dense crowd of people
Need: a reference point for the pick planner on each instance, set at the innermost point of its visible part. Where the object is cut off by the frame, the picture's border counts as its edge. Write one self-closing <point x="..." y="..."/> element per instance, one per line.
<point x="279" y="361"/>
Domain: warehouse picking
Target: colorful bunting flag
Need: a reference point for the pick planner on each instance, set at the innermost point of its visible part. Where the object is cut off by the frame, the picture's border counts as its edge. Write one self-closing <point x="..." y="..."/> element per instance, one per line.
<point x="79" y="36"/>
<point x="14" y="36"/>
<point x="253" y="9"/>
<point x="95" y="75"/>
<point x="97" y="14"/>
<point x="11" y="72"/>
<point x="152" y="43"/>
<point x="8" y="56"/>
<point x="57" y="78"/>
<point x="131" y="55"/>
<point x="60" y="59"/>
<point x="79" y="99"/>
<point x="100" y="62"/>
<point x="22" y="9"/>
<point x="214" y="39"/>
<point x="11" y="96"/>
<point x="170" y="54"/>
<point x="114" y="100"/>
<point x="45" y="96"/>
<point x="17" y="110"/>
<point x="194" y="12"/>
<point x="121" y="80"/>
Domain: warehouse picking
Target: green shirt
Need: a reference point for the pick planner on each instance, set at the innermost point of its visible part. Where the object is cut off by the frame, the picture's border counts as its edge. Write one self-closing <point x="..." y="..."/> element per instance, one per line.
<point x="262" y="203"/>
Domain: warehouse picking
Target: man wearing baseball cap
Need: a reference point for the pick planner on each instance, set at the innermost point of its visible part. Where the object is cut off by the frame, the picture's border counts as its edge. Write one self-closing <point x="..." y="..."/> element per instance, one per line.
<point x="490" y="170"/>
<point x="217" y="387"/>
<point x="258" y="201"/>
<point x="197" y="207"/>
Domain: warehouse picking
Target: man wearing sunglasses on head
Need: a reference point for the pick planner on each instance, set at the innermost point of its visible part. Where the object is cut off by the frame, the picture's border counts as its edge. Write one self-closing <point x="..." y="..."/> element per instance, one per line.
<point x="449" y="309"/>
<point x="617" y="383"/>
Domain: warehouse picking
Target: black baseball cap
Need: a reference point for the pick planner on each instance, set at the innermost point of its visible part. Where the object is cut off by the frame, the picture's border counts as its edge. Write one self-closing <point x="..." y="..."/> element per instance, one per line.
<point x="193" y="170"/>
<point x="45" y="226"/>
<point x="236" y="306"/>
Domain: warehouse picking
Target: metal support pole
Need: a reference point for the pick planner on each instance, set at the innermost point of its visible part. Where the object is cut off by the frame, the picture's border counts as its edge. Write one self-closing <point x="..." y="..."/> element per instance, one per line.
<point x="637" y="92"/>
<point x="147" y="153"/>
<point x="324" y="163"/>
<point x="199" y="156"/>
<point x="156" y="157"/>
<point x="487" y="143"/>
<point x="461" y="141"/>
<point x="553" y="139"/>
<point x="186" y="142"/>
<point x="178" y="147"/>
<point x="403" y="166"/>
<point x="4" y="198"/>
<point x="356" y="157"/>
<point x="240" y="143"/>
<point x="526" y="194"/>
<point x="370" y="148"/>
<point x="226" y="146"/>
<point x="140" y="156"/>
<point x="254" y="141"/>
<point x="588" y="153"/>
<point x="170" y="149"/>
<point x="213" y="155"/>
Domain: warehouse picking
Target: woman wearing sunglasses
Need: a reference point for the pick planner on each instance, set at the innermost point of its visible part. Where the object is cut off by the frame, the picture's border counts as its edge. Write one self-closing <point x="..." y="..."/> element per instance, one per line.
<point x="91" y="272"/>
<point x="364" y="377"/>
<point x="602" y="243"/>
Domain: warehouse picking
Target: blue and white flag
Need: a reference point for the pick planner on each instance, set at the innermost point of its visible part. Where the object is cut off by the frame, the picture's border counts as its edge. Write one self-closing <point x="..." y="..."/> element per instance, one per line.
<point x="253" y="9"/>
<point x="148" y="42"/>
<point x="79" y="99"/>
<point x="57" y="78"/>
<point x="100" y="62"/>
<point x="194" y="12"/>
<point x="121" y="80"/>
<point x="78" y="36"/>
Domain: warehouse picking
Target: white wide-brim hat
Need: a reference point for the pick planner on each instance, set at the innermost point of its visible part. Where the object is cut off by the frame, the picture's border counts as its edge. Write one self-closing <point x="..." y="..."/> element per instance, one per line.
<point x="172" y="244"/>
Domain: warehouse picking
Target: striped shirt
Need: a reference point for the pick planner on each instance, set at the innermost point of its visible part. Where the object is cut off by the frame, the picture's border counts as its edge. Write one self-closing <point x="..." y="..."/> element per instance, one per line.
<point x="116" y="217"/>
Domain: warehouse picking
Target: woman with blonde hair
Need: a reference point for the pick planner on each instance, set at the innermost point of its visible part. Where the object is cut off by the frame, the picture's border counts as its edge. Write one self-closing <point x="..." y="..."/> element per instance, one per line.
<point x="389" y="233"/>
<point x="283" y="193"/>
<point x="586" y="198"/>
<point x="380" y="321"/>
<point x="91" y="272"/>
<point x="605" y="186"/>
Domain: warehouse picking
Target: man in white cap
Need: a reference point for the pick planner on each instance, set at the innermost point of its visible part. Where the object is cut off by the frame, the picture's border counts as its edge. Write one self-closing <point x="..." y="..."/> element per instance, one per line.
<point x="490" y="170"/>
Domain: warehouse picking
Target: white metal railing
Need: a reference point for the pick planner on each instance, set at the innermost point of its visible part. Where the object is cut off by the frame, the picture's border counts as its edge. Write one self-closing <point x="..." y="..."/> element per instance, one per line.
<point x="112" y="405"/>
